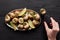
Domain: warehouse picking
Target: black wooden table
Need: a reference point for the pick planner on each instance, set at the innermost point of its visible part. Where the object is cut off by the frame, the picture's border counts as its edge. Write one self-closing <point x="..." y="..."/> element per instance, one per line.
<point x="52" y="7"/>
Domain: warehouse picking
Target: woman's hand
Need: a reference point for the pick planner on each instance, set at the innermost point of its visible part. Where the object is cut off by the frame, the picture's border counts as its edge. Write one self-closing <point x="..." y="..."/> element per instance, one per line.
<point x="51" y="33"/>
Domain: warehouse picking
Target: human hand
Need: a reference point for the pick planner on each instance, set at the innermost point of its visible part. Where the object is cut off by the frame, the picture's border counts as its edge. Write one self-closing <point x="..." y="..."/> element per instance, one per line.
<point x="52" y="33"/>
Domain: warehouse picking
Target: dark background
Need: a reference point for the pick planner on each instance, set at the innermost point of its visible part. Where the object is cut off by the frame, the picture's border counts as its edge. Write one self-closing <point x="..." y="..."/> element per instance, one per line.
<point x="52" y="7"/>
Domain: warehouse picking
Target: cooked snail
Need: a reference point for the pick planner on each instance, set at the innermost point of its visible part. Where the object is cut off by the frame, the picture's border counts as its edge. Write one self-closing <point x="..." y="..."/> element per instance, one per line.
<point x="43" y="11"/>
<point x="12" y="15"/>
<point x="7" y="18"/>
<point x="20" y="26"/>
<point x="26" y="16"/>
<point x="30" y="16"/>
<point x="37" y="16"/>
<point x="35" y="22"/>
<point x="26" y="25"/>
<point x="21" y="20"/>
<point x="15" y="20"/>
<point x="16" y="13"/>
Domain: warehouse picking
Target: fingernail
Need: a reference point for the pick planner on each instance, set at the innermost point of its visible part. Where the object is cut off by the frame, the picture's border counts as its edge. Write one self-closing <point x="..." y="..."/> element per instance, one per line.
<point x="50" y="17"/>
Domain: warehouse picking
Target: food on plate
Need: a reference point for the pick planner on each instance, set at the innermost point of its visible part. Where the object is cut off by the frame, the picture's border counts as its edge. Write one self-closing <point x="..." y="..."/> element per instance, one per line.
<point x="26" y="25"/>
<point x="15" y="20"/>
<point x="20" y="26"/>
<point x="14" y="26"/>
<point x="35" y="22"/>
<point x="37" y="16"/>
<point x="22" y="12"/>
<point x="12" y="15"/>
<point x="31" y="24"/>
<point x="17" y="13"/>
<point x="7" y="18"/>
<point x="26" y="16"/>
<point x="22" y="19"/>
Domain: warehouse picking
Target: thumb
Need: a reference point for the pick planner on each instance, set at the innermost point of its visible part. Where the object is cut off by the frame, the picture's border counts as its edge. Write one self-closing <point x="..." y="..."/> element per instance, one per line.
<point x="46" y="26"/>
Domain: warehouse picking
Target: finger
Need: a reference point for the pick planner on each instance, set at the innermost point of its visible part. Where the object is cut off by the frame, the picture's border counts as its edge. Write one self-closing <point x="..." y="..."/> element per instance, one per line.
<point x="46" y="26"/>
<point x="52" y="19"/>
<point x="56" y="28"/>
<point x="53" y="22"/>
<point x="56" y="25"/>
